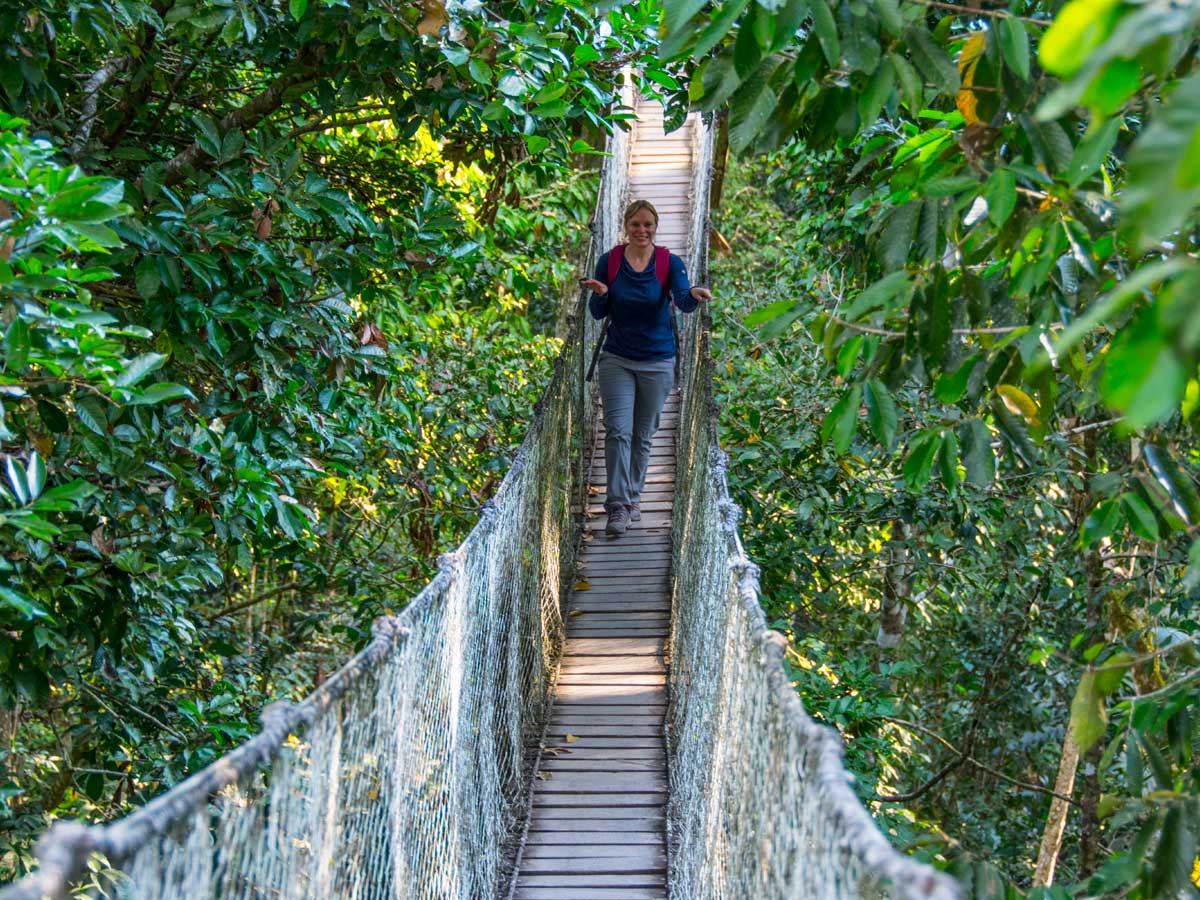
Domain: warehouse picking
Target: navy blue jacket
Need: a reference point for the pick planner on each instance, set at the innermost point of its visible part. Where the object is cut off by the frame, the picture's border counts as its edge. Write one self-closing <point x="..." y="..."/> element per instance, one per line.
<point x="641" y="314"/>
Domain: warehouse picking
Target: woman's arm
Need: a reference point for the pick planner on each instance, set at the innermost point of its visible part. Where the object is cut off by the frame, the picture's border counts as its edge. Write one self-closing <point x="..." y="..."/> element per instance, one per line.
<point x="685" y="296"/>
<point x="598" y="302"/>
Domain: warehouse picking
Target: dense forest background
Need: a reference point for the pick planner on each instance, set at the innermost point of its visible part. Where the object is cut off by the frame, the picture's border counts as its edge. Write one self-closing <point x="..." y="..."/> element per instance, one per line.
<point x="280" y="284"/>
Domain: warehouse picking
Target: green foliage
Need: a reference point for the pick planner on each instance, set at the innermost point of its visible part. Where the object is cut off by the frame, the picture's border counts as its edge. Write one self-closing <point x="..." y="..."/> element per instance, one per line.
<point x="1041" y="580"/>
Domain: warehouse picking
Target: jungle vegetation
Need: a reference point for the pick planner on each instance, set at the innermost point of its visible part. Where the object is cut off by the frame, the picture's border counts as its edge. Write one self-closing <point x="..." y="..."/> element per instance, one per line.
<point x="259" y="262"/>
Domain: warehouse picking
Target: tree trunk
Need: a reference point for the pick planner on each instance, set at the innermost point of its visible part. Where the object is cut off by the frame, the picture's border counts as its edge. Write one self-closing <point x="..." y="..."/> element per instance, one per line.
<point x="719" y="157"/>
<point x="1064" y="784"/>
<point x="897" y="588"/>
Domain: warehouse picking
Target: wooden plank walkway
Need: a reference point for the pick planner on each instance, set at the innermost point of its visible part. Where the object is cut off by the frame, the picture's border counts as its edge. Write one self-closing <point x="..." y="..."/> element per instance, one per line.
<point x="598" y="814"/>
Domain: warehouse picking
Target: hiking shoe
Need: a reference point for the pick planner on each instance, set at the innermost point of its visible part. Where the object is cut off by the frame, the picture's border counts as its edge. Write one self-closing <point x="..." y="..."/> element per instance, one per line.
<point x="618" y="520"/>
<point x="635" y="512"/>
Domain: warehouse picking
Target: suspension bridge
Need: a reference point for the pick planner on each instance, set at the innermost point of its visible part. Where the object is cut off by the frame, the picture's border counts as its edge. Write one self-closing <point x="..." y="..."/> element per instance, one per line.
<point x="556" y="716"/>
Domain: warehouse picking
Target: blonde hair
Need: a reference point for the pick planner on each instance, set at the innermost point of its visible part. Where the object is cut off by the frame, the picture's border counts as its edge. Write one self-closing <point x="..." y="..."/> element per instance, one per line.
<point x="636" y="207"/>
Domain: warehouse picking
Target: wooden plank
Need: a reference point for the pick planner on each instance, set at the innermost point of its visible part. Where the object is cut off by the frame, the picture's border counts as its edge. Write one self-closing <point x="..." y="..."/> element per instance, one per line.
<point x="662" y="545"/>
<point x="591" y="893"/>
<point x="559" y="733"/>
<point x="604" y="784"/>
<point x="660" y="595"/>
<point x="600" y="766"/>
<point x="627" y="631"/>
<point x="603" y="755"/>
<point x="613" y="611"/>
<point x="612" y="693"/>
<point x="626" y="566"/>
<point x="585" y="665"/>
<point x="618" y="613"/>
<point x="631" y="862"/>
<point x="540" y="838"/>
<point x="604" y="801"/>
<point x="616" y="619"/>
<point x="646" y="854"/>
<point x="615" y="881"/>
<point x="655" y="569"/>
<point x="597" y="816"/>
<point x="645" y="720"/>
<point x="608" y="742"/>
<point x="637" y="709"/>
<point x="615" y="647"/>
<point x="631" y="577"/>
<point x="605" y="678"/>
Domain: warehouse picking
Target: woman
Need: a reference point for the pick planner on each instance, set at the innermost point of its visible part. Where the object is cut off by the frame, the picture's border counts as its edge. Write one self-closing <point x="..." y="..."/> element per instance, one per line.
<point x="637" y="361"/>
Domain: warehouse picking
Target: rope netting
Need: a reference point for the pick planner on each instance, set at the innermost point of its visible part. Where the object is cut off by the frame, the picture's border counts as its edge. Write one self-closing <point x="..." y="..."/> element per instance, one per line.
<point x="405" y="774"/>
<point x="760" y="803"/>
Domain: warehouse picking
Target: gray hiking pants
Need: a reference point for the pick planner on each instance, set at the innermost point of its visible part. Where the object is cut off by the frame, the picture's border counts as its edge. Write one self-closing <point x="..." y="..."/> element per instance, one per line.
<point x="633" y="392"/>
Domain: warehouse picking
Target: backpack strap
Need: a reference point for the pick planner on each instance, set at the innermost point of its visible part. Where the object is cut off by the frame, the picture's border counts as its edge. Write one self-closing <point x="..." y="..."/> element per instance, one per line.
<point x="615" y="255"/>
<point x="662" y="264"/>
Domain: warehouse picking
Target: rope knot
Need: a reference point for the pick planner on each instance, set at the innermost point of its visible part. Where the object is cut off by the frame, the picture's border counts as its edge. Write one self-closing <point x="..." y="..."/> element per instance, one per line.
<point x="731" y="514"/>
<point x="388" y="627"/>
<point x="276" y="713"/>
<point x="488" y="509"/>
<point x="448" y="563"/>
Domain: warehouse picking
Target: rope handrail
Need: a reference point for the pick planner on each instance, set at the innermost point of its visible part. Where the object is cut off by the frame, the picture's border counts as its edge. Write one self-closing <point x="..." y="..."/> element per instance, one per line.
<point x="760" y="801"/>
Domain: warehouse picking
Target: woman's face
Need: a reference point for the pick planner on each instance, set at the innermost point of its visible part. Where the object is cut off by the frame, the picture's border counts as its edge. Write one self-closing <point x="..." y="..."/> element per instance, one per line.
<point x="640" y="228"/>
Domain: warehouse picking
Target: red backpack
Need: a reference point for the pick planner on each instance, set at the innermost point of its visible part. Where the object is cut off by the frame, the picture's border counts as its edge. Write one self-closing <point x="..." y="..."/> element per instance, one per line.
<point x="662" y="264"/>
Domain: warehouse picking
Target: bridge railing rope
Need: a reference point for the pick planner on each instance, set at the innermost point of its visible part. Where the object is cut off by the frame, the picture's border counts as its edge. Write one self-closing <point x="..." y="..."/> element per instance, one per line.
<point x="760" y="804"/>
<point x="405" y="773"/>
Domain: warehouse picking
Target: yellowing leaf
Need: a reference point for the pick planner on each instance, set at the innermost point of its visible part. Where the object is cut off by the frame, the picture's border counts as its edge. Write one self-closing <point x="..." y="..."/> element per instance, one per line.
<point x="570" y="739"/>
<point x="968" y="62"/>
<point x="575" y="612"/>
<point x="582" y="586"/>
<point x="1018" y="402"/>
<point x="435" y="18"/>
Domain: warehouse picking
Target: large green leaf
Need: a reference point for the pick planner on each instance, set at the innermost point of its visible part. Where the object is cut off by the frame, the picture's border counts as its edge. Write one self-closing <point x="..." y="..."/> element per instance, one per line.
<point x="1078" y="30"/>
<point x="977" y="456"/>
<point x="842" y="419"/>
<point x="922" y="452"/>
<point x="138" y="368"/>
<point x="1089" y="718"/>
<point x="1014" y="44"/>
<point x="931" y="60"/>
<point x="1163" y="179"/>
<point x="879" y="294"/>
<point x="881" y="412"/>
<point x="827" y="32"/>
<point x="1143" y="377"/>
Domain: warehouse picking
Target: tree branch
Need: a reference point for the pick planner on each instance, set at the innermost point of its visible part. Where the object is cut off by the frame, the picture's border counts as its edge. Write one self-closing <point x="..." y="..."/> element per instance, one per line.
<point x="1016" y="782"/>
<point x="246" y="116"/>
<point x="329" y="126"/>
<point x="91" y="96"/>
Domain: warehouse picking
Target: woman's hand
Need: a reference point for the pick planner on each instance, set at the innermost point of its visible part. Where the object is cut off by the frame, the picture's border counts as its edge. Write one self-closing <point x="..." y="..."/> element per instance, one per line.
<point x="597" y="287"/>
<point x="701" y="293"/>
